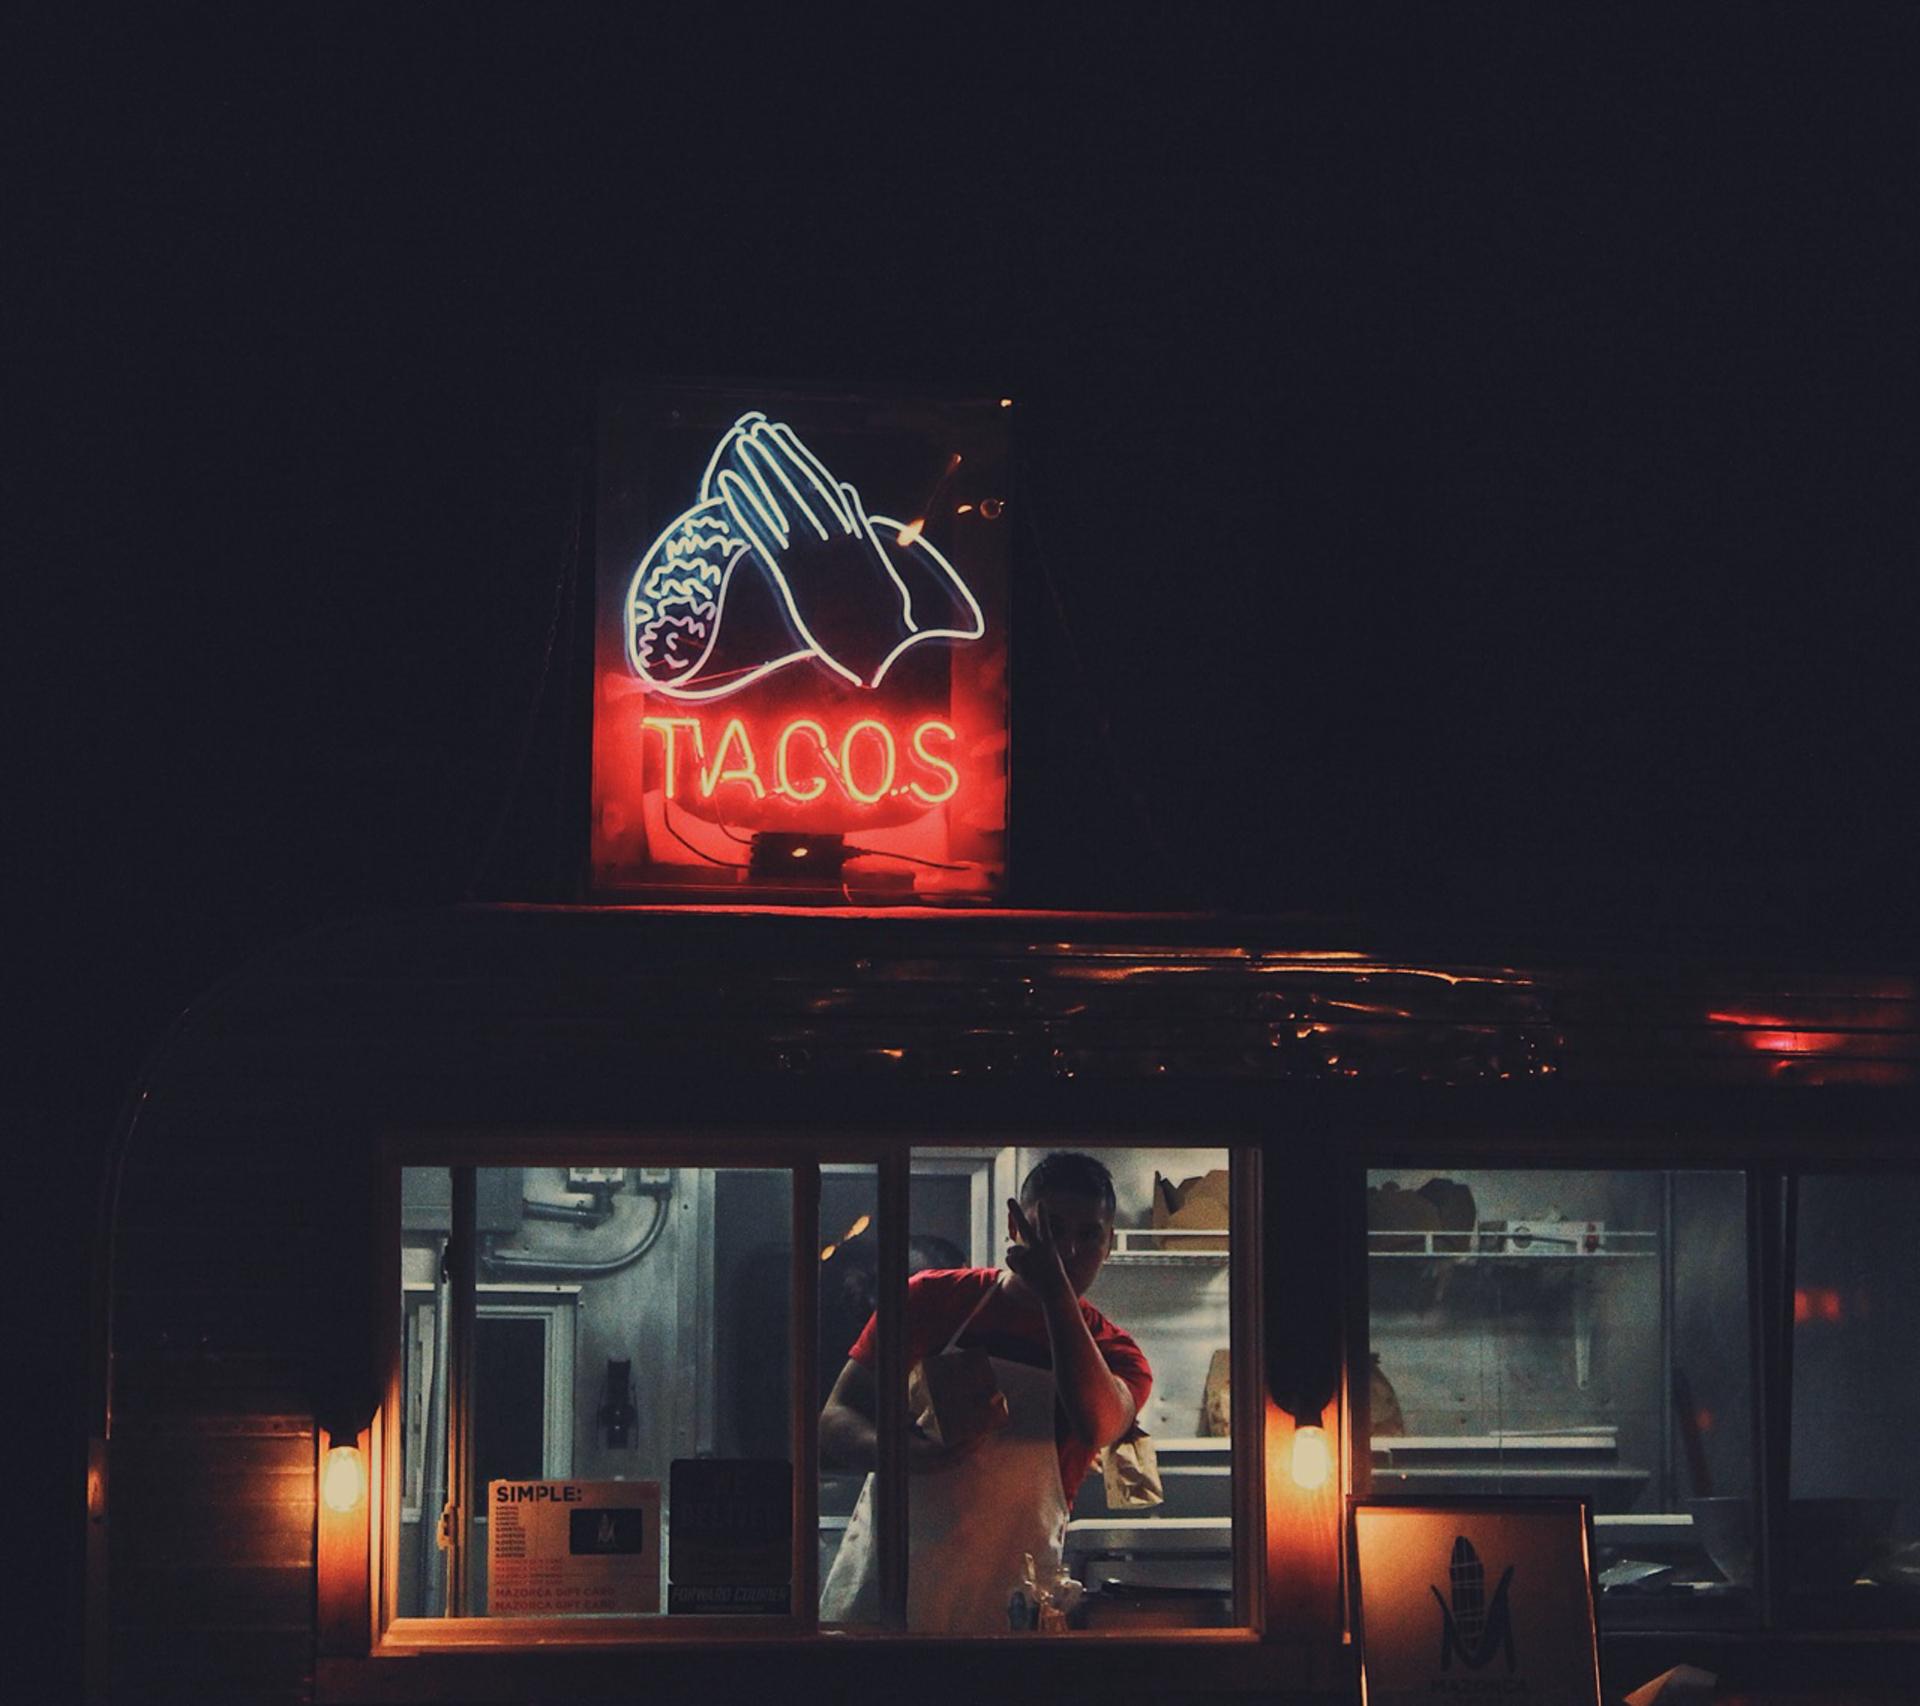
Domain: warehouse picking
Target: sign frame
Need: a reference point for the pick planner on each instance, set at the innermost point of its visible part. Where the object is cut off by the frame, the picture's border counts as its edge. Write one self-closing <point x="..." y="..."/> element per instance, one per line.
<point x="1568" y="1527"/>
<point x="546" y="1566"/>
<point x="898" y="742"/>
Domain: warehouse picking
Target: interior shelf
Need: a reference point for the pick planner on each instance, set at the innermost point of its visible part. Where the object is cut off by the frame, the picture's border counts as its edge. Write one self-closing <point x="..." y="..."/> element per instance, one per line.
<point x="1386" y="1245"/>
<point x="1160" y="1247"/>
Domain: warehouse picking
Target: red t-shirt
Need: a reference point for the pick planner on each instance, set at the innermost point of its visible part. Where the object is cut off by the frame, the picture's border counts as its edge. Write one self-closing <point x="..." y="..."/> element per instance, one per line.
<point x="1011" y="1325"/>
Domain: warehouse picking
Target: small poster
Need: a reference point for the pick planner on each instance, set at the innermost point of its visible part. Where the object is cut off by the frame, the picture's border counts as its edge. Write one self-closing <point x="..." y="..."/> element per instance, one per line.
<point x="732" y="1536"/>
<point x="567" y="1548"/>
<point x="1476" y="1600"/>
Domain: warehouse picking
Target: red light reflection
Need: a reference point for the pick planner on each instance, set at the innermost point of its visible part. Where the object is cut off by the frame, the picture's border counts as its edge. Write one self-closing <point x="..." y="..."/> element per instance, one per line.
<point x="1818" y="1303"/>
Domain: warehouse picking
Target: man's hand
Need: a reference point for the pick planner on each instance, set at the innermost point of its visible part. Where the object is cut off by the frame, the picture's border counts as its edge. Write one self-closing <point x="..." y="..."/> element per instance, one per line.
<point x="1033" y="1257"/>
<point x="813" y="537"/>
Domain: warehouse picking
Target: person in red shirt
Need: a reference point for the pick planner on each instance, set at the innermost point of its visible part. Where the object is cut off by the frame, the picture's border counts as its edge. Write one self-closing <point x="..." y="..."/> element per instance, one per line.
<point x="1074" y="1382"/>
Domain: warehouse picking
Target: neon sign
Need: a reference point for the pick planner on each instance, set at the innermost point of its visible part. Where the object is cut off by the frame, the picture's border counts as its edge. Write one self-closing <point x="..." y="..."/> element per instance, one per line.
<point x="856" y="590"/>
<point x="867" y="764"/>
<point x="783" y="673"/>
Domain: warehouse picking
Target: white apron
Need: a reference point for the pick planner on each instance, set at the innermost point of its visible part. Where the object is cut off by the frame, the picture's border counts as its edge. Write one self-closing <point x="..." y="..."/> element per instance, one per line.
<point x="967" y="1524"/>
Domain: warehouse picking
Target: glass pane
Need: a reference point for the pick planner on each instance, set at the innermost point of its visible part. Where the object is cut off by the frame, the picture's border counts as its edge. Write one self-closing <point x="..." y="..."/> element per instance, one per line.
<point x="1853" y="1526"/>
<point x="1574" y="1332"/>
<point x="849" y="1270"/>
<point x="631" y="1335"/>
<point x="1001" y="1470"/>
<point x="426" y="1217"/>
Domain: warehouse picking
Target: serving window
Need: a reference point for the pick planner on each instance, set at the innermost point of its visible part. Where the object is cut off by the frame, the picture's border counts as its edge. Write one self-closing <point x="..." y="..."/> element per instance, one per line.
<point x="1707" y="1355"/>
<point x="615" y="1407"/>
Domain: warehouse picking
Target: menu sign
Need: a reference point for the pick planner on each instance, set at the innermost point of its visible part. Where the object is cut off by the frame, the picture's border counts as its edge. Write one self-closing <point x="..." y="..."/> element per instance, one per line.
<point x="1476" y="1600"/>
<point x="800" y="660"/>
<point x="563" y="1548"/>
<point x="732" y="1536"/>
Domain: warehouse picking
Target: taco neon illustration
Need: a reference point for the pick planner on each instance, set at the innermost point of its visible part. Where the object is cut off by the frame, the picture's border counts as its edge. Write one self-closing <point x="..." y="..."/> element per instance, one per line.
<point x="776" y="563"/>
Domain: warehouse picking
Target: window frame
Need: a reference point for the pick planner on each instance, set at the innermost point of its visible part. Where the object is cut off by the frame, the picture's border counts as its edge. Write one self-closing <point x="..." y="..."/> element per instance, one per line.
<point x="1771" y="1170"/>
<point x="801" y="1154"/>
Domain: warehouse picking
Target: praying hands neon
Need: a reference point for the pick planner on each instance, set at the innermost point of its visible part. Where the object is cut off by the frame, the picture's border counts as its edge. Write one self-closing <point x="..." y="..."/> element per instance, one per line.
<point x="850" y="594"/>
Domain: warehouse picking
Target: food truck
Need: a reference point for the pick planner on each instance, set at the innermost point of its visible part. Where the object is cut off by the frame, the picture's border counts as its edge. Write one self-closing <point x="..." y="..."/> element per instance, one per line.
<point x="473" y="1279"/>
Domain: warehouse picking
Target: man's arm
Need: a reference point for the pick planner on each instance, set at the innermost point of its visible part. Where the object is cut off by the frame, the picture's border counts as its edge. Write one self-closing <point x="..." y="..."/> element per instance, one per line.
<point x="849" y="1436"/>
<point x="1099" y="1404"/>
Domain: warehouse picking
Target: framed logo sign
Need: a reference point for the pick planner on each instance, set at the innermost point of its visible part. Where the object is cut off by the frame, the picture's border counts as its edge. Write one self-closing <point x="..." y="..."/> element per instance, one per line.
<point x="1476" y="1599"/>
<point x="800" y="652"/>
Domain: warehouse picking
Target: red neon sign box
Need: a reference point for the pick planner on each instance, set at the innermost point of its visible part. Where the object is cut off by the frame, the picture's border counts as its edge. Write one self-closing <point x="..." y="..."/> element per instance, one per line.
<point x="800" y="647"/>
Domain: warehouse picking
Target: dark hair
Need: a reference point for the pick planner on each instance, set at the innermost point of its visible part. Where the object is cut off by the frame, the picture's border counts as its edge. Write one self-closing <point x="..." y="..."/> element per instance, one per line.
<point x="1070" y="1171"/>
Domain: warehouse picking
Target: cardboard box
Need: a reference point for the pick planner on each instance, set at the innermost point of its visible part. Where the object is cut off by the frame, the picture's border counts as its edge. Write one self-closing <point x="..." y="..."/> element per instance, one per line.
<point x="1191" y="1204"/>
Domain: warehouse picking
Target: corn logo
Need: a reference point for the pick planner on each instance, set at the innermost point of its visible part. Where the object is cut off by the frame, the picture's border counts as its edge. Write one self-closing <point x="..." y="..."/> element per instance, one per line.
<point x="1472" y="1628"/>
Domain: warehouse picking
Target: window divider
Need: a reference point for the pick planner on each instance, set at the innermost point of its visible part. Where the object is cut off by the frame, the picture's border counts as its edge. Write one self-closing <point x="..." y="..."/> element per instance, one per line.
<point x="463" y="1274"/>
<point x="895" y="1193"/>
<point x="1774" y="1198"/>
<point x="1247" y="1387"/>
<point x="803" y="1371"/>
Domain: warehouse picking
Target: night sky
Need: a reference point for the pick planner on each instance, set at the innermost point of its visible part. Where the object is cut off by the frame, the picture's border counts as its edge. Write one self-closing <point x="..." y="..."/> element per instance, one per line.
<point x="1504" y="422"/>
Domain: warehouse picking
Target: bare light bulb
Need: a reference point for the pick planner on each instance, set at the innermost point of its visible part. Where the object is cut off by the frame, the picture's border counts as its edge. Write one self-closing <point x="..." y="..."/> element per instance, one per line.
<point x="343" y="1479"/>
<point x="1312" y="1457"/>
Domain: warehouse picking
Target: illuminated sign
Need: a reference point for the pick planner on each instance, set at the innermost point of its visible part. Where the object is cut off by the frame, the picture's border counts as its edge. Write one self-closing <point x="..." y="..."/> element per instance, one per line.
<point x="795" y="691"/>
<point x="770" y="512"/>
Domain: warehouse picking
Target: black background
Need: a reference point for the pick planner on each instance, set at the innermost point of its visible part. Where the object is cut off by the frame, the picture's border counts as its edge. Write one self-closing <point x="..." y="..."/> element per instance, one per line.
<point x="1513" y="409"/>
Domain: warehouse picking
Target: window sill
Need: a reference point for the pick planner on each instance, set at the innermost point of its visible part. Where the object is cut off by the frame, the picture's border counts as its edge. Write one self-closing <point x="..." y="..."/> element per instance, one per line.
<point x="550" y="1658"/>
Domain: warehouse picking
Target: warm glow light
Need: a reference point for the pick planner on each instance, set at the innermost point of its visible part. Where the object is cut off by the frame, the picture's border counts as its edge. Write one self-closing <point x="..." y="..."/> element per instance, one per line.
<point x="1774" y="1033"/>
<point x="732" y="763"/>
<point x="882" y="739"/>
<point x="911" y="532"/>
<point x="343" y="1479"/>
<point x="1312" y="1458"/>
<point x="1006" y="402"/>
<point x="826" y="1255"/>
<point x="783" y="781"/>
<point x="858" y="1227"/>
<point x="964" y="509"/>
<point x="806" y="761"/>
<point x="934" y="797"/>
<point x="1818" y="1303"/>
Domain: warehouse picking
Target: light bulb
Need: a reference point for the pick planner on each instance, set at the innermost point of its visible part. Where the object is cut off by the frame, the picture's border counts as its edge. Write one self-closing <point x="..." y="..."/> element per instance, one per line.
<point x="343" y="1479"/>
<point x="1312" y="1457"/>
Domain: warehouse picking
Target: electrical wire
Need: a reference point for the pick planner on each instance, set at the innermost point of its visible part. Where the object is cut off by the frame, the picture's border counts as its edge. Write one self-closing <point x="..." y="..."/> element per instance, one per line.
<point x="882" y="853"/>
<point x="666" y="817"/>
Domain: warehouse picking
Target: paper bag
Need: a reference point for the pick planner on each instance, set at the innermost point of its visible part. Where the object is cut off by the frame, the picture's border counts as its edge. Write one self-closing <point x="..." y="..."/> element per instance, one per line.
<point x="1200" y="1202"/>
<point x="1216" y="1403"/>
<point x="954" y="1398"/>
<point x="1383" y="1403"/>
<point x="1131" y="1470"/>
